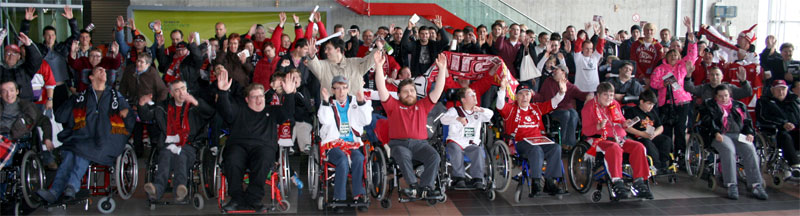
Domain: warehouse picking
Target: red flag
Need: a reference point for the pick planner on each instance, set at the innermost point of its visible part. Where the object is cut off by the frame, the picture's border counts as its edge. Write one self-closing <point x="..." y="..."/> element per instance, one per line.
<point x="474" y="67"/>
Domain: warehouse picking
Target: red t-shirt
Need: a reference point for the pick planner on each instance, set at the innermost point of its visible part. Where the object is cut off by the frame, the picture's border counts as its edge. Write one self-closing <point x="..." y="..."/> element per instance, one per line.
<point x="408" y="122"/>
<point x="525" y="123"/>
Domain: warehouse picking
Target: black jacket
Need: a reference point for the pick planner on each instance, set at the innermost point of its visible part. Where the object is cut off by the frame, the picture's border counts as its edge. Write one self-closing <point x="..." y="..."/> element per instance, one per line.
<point x="249" y="127"/>
<point x="711" y="118"/>
<point x="773" y="113"/>
<point x="199" y="116"/>
<point x="23" y="71"/>
<point x="189" y="68"/>
<point x="434" y="48"/>
<point x="774" y="63"/>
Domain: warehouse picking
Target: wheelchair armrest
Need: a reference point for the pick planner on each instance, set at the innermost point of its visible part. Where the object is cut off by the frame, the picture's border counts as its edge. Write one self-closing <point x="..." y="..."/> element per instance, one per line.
<point x="768" y="130"/>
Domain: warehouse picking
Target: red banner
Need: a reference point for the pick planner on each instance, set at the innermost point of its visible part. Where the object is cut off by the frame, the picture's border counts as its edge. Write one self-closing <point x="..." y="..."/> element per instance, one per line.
<point x="475" y="67"/>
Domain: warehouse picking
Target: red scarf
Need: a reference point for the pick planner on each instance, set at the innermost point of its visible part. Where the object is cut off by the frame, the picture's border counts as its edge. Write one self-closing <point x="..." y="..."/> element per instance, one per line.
<point x="612" y="113"/>
<point x="173" y="72"/>
<point x="178" y="122"/>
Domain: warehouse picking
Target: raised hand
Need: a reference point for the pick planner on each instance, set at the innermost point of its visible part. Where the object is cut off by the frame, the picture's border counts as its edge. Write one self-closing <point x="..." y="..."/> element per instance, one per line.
<point x="157" y="25"/>
<point x="410" y="25"/>
<point x="562" y="85"/>
<point x="689" y="68"/>
<point x="120" y="22"/>
<point x="771" y="41"/>
<point x="324" y="93"/>
<point x="289" y="85"/>
<point x="24" y="39"/>
<point x="74" y="47"/>
<point x="30" y="14"/>
<point x="131" y="24"/>
<point x="67" y="12"/>
<point x="190" y="99"/>
<point x="282" y="17"/>
<point x="223" y="82"/>
<point x="360" y="97"/>
<point x="312" y="48"/>
<point x="317" y="17"/>
<point x="379" y="59"/>
<point x="441" y="61"/>
<point x="114" y="48"/>
<point x="587" y="26"/>
<point x="438" y="21"/>
<point x="295" y="18"/>
<point x="687" y="22"/>
<point x="741" y="74"/>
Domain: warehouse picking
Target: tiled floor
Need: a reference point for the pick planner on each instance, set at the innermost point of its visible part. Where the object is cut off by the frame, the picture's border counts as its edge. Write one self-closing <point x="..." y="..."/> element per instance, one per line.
<point x="682" y="198"/>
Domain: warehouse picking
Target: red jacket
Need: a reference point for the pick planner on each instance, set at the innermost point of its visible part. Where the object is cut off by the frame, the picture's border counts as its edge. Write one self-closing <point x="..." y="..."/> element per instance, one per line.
<point x="264" y="70"/>
<point x="646" y="58"/>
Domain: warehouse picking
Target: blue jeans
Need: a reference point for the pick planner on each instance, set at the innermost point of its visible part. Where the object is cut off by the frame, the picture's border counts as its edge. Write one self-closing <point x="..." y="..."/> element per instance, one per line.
<point x="569" y="121"/>
<point x="69" y="173"/>
<point x="356" y="169"/>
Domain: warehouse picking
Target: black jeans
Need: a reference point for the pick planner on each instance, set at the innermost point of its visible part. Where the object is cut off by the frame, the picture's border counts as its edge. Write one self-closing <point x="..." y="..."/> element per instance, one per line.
<point x="788" y="142"/>
<point x="138" y="133"/>
<point x="658" y="149"/>
<point x="237" y="158"/>
<point x="677" y="127"/>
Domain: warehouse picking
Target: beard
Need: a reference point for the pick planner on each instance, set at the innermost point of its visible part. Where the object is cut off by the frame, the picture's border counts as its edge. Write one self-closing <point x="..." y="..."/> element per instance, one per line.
<point x="409" y="100"/>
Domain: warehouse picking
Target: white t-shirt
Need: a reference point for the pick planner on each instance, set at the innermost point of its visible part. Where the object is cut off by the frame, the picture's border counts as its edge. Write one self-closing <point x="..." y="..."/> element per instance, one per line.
<point x="463" y="134"/>
<point x="586" y="74"/>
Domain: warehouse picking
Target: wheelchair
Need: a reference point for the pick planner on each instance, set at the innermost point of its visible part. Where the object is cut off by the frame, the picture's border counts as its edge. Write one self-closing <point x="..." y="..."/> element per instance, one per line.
<point x="446" y="169"/>
<point x="381" y="165"/>
<point x="278" y="203"/>
<point x="22" y="174"/>
<point x="104" y="181"/>
<point x="193" y="183"/>
<point x="703" y="161"/>
<point x="324" y="172"/>
<point x="772" y="161"/>
<point x="504" y="158"/>
<point x="585" y="172"/>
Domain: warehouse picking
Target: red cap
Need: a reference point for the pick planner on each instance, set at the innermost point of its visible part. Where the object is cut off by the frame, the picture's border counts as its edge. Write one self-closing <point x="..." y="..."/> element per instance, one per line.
<point x="139" y="37"/>
<point x="12" y="48"/>
<point x="779" y="83"/>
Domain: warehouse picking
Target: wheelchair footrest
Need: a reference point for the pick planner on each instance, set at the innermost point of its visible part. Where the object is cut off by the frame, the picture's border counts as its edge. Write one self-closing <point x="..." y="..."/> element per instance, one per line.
<point x="412" y="199"/>
<point x="347" y="204"/>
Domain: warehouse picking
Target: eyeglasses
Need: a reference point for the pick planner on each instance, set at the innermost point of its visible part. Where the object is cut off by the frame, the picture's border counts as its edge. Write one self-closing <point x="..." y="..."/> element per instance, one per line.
<point x="253" y="97"/>
<point x="95" y="56"/>
<point x="12" y="54"/>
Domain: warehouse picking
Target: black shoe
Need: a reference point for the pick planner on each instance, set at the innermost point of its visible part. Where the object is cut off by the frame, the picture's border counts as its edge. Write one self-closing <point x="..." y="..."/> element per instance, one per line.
<point x="477" y="183"/>
<point x="620" y="190"/>
<point x="411" y="191"/>
<point x="69" y="193"/>
<point x="430" y="192"/>
<point x="46" y="196"/>
<point x="550" y="187"/>
<point x="360" y="202"/>
<point x="338" y="205"/>
<point x="643" y="189"/>
<point x="459" y="182"/>
<point x="259" y="207"/>
<point x="536" y="187"/>
<point x="233" y="206"/>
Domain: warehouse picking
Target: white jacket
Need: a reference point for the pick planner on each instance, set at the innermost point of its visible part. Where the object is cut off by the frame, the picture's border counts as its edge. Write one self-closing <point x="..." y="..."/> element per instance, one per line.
<point x="358" y="117"/>
<point x="457" y="132"/>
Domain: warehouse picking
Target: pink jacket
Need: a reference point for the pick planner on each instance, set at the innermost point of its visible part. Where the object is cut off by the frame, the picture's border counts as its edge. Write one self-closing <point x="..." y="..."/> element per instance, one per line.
<point x="679" y="71"/>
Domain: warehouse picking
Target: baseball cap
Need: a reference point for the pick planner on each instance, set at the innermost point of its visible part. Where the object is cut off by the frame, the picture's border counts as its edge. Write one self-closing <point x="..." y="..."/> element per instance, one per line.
<point x="779" y="83"/>
<point x="339" y="79"/>
<point x="139" y="37"/>
<point x="12" y="48"/>
<point x="180" y="45"/>
<point x="523" y="88"/>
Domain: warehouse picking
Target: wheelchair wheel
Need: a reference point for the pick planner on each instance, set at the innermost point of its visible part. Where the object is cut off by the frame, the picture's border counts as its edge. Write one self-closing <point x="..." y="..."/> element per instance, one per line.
<point x="106" y="205"/>
<point x="580" y="168"/>
<point x="283" y="206"/>
<point x="763" y="148"/>
<point x="284" y="175"/>
<point x="313" y="171"/>
<point x="208" y="173"/>
<point x="152" y="165"/>
<point x="32" y="178"/>
<point x="694" y="156"/>
<point x="198" y="202"/>
<point x="127" y="173"/>
<point x="378" y="175"/>
<point x="501" y="164"/>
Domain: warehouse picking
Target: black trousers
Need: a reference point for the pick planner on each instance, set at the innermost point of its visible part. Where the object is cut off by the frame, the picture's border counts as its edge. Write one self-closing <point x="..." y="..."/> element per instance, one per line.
<point x="238" y="158"/>
<point x="138" y="133"/>
<point x="677" y="130"/>
<point x="658" y="149"/>
<point x="788" y="141"/>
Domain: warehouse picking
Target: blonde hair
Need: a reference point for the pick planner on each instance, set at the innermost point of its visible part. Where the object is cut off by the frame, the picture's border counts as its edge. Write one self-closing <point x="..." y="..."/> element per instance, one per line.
<point x="649" y="26"/>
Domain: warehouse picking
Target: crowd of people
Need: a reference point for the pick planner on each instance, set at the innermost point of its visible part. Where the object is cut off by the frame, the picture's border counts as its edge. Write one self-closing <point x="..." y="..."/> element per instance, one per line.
<point x="626" y="92"/>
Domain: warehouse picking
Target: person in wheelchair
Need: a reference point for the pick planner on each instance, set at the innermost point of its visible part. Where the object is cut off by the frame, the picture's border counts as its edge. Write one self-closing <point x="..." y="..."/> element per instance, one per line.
<point x="781" y="111"/>
<point x="96" y="129"/>
<point x="565" y="112"/>
<point x="253" y="139"/>
<point x="408" y="131"/>
<point x="181" y="118"/>
<point x="524" y="120"/>
<point x="730" y="125"/>
<point x="20" y="117"/>
<point x="715" y="77"/>
<point x="648" y="131"/>
<point x="463" y="136"/>
<point x="342" y="118"/>
<point x="604" y="125"/>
